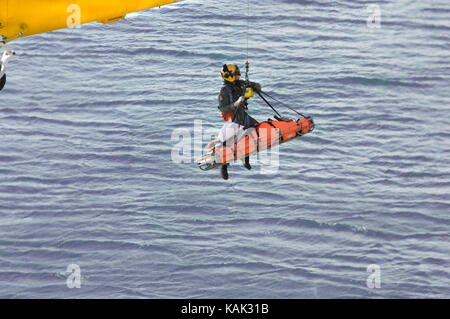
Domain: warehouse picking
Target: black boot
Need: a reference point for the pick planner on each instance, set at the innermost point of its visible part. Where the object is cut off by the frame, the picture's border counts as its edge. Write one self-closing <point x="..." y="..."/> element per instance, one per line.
<point x="224" y="171"/>
<point x="247" y="163"/>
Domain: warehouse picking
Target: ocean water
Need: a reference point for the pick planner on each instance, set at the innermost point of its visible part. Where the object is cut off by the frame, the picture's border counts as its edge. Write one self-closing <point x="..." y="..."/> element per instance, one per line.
<point x="87" y="176"/>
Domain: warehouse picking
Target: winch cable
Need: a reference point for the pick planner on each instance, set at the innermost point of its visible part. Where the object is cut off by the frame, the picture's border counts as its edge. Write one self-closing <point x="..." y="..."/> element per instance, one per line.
<point x="267" y="102"/>
<point x="247" y="64"/>
<point x="248" y="17"/>
<point x="247" y="82"/>
<point x="278" y="101"/>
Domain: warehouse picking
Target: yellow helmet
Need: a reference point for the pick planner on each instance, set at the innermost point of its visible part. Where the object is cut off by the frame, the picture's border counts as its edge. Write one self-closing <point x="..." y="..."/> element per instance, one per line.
<point x="230" y="71"/>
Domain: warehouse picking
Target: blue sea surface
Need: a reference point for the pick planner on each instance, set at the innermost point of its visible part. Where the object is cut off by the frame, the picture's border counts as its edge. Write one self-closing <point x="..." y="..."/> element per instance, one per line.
<point x="87" y="176"/>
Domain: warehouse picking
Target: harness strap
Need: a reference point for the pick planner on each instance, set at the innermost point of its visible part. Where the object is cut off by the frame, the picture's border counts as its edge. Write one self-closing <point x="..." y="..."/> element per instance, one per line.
<point x="269" y="121"/>
<point x="247" y="121"/>
<point x="230" y="93"/>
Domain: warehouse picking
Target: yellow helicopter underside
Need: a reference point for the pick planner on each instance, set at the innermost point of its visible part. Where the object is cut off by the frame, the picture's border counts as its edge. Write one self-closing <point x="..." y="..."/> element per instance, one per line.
<point x="21" y="18"/>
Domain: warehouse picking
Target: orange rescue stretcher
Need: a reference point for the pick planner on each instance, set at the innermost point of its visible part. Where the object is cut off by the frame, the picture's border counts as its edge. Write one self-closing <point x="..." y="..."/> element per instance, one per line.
<point x="263" y="136"/>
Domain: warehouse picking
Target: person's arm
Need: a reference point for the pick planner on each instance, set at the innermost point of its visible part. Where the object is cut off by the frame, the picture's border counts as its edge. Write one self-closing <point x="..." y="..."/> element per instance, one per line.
<point x="227" y="106"/>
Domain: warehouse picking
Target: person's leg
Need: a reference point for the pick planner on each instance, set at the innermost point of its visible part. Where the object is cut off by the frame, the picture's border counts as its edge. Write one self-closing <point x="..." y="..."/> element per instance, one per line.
<point x="247" y="163"/>
<point x="251" y="123"/>
<point x="224" y="171"/>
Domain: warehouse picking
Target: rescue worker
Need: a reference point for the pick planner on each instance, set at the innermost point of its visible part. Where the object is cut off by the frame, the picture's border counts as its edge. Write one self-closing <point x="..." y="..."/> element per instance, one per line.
<point x="233" y="104"/>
